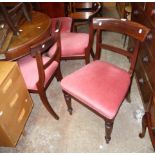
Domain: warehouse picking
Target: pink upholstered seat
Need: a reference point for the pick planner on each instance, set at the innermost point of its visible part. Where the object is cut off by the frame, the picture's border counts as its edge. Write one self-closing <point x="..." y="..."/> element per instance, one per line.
<point x="28" y="67"/>
<point x="72" y="44"/>
<point x="66" y="23"/>
<point x="100" y="85"/>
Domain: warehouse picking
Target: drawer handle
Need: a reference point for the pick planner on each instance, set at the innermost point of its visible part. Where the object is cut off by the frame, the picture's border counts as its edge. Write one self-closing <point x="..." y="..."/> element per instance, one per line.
<point x="135" y="12"/>
<point x="26" y="100"/>
<point x="141" y="80"/>
<point x="131" y="49"/>
<point x="153" y="12"/>
<point x="12" y="103"/>
<point x="145" y="59"/>
<point x="5" y="88"/>
<point x="1" y="113"/>
<point x="149" y="36"/>
<point x="21" y="115"/>
<point x="2" y="26"/>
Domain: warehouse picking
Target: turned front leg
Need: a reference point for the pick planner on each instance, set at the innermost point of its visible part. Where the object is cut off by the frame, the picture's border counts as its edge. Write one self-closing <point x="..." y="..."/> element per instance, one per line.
<point x="108" y="130"/>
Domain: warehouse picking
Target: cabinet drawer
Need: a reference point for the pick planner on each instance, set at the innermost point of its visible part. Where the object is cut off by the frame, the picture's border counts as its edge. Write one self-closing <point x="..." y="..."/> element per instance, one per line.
<point x="143" y="85"/>
<point x="10" y="84"/>
<point x="9" y="112"/>
<point x="152" y="111"/>
<point x="12" y="90"/>
<point x="137" y="15"/>
<point x="145" y="58"/>
<point x="147" y="62"/>
<point x="12" y="122"/>
<point x="150" y="41"/>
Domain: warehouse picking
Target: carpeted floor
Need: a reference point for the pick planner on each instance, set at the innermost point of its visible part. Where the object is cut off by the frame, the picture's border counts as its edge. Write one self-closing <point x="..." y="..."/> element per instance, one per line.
<point x="83" y="131"/>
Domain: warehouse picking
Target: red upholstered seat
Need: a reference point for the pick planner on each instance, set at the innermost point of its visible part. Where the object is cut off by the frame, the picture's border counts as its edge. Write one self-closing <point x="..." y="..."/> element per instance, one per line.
<point x="100" y="85"/>
<point x="72" y="44"/>
<point x="28" y="67"/>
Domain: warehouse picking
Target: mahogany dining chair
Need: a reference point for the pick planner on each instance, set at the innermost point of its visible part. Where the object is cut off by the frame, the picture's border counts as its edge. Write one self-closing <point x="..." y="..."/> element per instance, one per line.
<point x="83" y="12"/>
<point x="102" y="86"/>
<point x="39" y="70"/>
<point x="73" y="45"/>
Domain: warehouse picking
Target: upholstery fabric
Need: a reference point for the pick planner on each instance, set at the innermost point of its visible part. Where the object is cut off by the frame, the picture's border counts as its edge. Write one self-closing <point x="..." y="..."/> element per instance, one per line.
<point x="66" y="24"/>
<point x="72" y="44"/>
<point x="28" y="67"/>
<point x="100" y="85"/>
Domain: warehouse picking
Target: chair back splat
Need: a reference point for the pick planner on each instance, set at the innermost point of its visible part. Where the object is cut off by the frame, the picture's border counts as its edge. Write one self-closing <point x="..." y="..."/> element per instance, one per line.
<point x="102" y="86"/>
<point x="39" y="70"/>
<point x="83" y="12"/>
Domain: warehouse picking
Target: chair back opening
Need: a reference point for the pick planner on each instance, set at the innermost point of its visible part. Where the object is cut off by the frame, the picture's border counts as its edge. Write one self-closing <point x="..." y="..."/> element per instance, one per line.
<point x="134" y="30"/>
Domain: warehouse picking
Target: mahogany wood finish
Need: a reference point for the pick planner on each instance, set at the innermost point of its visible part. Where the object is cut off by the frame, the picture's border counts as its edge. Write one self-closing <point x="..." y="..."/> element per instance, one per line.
<point x="30" y="33"/>
<point x="132" y="29"/>
<point x="83" y="12"/>
<point x="14" y="15"/>
<point x="37" y="51"/>
<point x="144" y="13"/>
<point x="52" y="9"/>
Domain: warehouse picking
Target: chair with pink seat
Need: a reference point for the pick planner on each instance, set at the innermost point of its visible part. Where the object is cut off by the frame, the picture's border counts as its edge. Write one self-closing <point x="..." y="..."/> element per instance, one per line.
<point x="101" y="86"/>
<point x="38" y="70"/>
<point x="73" y="45"/>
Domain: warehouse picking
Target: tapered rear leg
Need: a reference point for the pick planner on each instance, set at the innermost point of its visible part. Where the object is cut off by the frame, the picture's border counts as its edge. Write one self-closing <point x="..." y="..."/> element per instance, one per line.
<point x="68" y="102"/>
<point x="47" y="105"/>
<point x="144" y="126"/>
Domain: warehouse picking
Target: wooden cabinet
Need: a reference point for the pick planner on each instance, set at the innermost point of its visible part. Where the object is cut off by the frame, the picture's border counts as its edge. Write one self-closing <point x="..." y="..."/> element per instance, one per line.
<point x="15" y="103"/>
<point x="52" y="9"/>
<point x="144" y="13"/>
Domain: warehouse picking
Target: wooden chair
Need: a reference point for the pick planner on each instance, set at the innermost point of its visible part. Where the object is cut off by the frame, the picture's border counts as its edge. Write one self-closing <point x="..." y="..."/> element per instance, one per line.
<point x="15" y="15"/>
<point x="102" y="86"/>
<point x="83" y="12"/>
<point x="73" y="45"/>
<point x="38" y="70"/>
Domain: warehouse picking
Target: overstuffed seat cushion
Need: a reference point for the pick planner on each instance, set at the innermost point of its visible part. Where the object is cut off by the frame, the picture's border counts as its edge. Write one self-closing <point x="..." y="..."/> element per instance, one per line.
<point x="29" y="70"/>
<point x="100" y="85"/>
<point x="72" y="44"/>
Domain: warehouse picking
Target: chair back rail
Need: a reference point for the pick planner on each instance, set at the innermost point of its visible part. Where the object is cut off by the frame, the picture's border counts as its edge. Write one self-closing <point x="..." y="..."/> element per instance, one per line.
<point x="136" y="30"/>
<point x="132" y="29"/>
